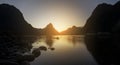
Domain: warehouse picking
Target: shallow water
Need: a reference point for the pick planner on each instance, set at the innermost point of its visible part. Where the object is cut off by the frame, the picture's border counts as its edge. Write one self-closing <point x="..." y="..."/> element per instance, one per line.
<point x="63" y="50"/>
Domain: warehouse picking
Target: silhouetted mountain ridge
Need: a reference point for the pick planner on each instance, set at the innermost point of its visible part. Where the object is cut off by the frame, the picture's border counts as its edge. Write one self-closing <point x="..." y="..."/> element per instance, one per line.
<point x="49" y="30"/>
<point x="104" y="18"/>
<point x="102" y="32"/>
<point x="72" y="31"/>
<point x="12" y="20"/>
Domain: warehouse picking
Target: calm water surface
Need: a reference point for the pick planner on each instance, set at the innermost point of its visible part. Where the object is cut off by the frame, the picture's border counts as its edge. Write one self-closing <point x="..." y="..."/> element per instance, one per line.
<point x="63" y="50"/>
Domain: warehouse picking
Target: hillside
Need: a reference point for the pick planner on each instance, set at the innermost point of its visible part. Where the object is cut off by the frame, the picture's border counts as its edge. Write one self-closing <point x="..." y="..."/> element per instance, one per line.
<point x="12" y="21"/>
<point x="72" y="31"/>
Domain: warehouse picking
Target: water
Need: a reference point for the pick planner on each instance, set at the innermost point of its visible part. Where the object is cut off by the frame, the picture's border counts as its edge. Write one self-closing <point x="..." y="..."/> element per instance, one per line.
<point x="63" y="50"/>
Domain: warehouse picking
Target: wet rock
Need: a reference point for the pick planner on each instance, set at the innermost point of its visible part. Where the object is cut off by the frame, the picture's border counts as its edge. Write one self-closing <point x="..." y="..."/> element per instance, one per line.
<point x="36" y="52"/>
<point x="43" y="48"/>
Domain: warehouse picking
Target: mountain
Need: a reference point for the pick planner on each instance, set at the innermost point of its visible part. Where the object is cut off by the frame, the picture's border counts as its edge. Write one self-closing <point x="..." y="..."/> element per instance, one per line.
<point x="13" y="43"/>
<point x="105" y="18"/>
<point x="12" y="21"/>
<point x="72" y="31"/>
<point x="102" y="32"/>
<point x="49" y="30"/>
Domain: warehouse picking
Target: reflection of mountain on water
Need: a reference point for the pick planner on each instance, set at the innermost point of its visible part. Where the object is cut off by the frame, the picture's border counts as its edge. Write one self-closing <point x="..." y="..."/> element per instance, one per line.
<point x="74" y="39"/>
<point x="102" y="34"/>
<point x="49" y="41"/>
<point x="65" y="53"/>
<point x="105" y="49"/>
<point x="16" y="37"/>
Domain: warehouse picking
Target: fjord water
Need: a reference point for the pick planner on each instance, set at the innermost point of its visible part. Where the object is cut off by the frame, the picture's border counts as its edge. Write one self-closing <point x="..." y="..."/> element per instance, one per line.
<point x="63" y="50"/>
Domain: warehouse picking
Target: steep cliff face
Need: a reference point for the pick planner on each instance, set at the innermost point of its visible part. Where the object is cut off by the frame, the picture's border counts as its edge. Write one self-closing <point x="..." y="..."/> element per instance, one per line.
<point x="12" y="20"/>
<point x="105" y="18"/>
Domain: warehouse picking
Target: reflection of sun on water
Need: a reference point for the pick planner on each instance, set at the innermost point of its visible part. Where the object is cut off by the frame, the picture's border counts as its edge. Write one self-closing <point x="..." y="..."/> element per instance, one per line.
<point x="61" y="45"/>
<point x="65" y="53"/>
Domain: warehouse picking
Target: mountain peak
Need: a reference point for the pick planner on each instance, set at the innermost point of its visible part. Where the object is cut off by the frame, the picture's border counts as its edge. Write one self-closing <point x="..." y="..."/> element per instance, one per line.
<point x="50" y="30"/>
<point x="50" y="25"/>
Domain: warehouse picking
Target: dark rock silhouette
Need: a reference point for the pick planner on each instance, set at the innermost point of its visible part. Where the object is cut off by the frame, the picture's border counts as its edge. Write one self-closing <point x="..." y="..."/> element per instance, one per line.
<point x="12" y="21"/>
<point x="102" y="34"/>
<point x="105" y="18"/>
<point x="36" y="52"/>
<point x="72" y="31"/>
<point x="12" y="49"/>
<point x="52" y="49"/>
<point x="16" y="37"/>
<point x="43" y="48"/>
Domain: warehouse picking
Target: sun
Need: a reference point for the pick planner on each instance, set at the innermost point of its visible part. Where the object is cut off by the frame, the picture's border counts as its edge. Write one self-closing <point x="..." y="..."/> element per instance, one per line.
<point x="58" y="24"/>
<point x="61" y="17"/>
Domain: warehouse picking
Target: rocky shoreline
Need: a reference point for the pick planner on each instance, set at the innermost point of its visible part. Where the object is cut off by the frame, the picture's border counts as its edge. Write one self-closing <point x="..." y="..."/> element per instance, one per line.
<point x="17" y="50"/>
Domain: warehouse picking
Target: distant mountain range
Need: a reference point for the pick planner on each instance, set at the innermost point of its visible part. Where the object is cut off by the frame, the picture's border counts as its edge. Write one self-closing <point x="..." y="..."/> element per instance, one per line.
<point x="12" y="21"/>
<point x="50" y="30"/>
<point x="72" y="31"/>
<point x="105" y="18"/>
<point x="104" y="21"/>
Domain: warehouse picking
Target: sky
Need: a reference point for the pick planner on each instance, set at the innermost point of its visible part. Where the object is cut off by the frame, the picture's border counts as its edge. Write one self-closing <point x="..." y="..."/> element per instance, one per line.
<point x="61" y="13"/>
